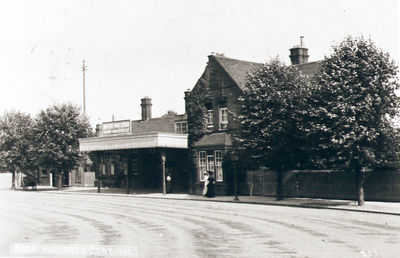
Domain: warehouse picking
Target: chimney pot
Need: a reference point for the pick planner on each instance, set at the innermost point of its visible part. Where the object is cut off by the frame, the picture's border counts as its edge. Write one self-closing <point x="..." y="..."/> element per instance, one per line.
<point x="187" y="92"/>
<point x="299" y="54"/>
<point x="146" y="108"/>
<point x="98" y="129"/>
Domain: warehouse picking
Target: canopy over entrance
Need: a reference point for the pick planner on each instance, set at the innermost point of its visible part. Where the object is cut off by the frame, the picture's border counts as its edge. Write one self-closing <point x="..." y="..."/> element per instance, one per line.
<point x="134" y="141"/>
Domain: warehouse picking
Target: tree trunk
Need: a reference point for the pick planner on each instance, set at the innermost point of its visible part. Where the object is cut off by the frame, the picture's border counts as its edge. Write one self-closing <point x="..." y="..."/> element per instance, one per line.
<point x="13" y="180"/>
<point x="38" y="172"/>
<point x="99" y="186"/>
<point x="360" y="187"/>
<point x="128" y="183"/>
<point x="279" y="185"/>
<point x="60" y="178"/>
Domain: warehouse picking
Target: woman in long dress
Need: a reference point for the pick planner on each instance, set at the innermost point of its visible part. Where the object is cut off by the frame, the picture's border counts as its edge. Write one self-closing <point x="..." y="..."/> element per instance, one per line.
<point x="205" y="188"/>
<point x="210" y="185"/>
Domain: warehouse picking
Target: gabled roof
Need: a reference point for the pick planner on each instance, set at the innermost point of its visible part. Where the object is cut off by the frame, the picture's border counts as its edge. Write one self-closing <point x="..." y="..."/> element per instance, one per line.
<point x="238" y="69"/>
<point x="160" y="124"/>
<point x="215" y="139"/>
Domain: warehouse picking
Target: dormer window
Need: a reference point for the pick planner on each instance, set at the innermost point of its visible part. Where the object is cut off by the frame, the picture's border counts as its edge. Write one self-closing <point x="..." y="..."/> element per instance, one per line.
<point x="223" y="118"/>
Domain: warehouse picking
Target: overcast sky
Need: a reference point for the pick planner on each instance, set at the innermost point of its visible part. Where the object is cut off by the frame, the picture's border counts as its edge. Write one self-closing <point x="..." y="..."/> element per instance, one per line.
<point x="159" y="48"/>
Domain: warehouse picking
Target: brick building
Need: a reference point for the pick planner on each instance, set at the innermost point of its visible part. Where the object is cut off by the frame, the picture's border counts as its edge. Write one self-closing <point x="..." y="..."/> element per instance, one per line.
<point x="223" y="80"/>
<point x="130" y="153"/>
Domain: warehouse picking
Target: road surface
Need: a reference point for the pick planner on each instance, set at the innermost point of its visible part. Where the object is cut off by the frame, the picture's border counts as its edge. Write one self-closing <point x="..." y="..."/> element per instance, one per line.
<point x="181" y="228"/>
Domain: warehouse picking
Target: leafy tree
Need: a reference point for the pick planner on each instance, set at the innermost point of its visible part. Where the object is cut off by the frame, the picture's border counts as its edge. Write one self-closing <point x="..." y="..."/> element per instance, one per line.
<point x="16" y="143"/>
<point x="196" y="112"/>
<point x="273" y="109"/>
<point x="57" y="131"/>
<point x="355" y="103"/>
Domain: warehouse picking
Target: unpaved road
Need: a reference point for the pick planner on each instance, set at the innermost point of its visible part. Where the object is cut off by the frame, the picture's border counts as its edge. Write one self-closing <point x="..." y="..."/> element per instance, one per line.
<point x="173" y="228"/>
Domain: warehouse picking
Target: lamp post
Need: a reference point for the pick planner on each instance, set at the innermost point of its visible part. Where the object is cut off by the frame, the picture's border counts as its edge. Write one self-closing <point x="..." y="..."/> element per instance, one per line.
<point x="163" y="158"/>
<point x="235" y="158"/>
<point x="84" y="69"/>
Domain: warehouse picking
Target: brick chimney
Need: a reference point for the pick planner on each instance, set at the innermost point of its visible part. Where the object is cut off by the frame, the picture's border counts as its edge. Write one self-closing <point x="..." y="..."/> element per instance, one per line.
<point x="299" y="54"/>
<point x="146" y="108"/>
<point x="98" y="129"/>
<point x="187" y="93"/>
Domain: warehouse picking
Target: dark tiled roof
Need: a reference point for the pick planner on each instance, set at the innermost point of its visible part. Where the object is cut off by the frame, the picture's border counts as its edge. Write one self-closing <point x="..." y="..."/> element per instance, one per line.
<point x="310" y="68"/>
<point x="160" y="124"/>
<point x="215" y="139"/>
<point x="238" y="69"/>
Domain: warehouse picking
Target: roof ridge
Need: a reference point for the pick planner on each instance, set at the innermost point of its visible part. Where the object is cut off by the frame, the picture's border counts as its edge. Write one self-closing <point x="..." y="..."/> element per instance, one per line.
<point x="241" y="60"/>
<point x="235" y="59"/>
<point x="155" y="118"/>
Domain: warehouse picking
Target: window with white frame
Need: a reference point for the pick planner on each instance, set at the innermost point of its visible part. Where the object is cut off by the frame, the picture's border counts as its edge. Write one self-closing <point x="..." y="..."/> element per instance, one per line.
<point x="202" y="164"/>
<point x="210" y="162"/>
<point x="181" y="127"/>
<point x="218" y="166"/>
<point x="223" y="118"/>
<point x="210" y="118"/>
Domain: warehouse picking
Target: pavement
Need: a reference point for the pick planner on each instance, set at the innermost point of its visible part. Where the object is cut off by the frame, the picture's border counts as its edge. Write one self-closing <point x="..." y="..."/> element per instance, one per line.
<point x="388" y="208"/>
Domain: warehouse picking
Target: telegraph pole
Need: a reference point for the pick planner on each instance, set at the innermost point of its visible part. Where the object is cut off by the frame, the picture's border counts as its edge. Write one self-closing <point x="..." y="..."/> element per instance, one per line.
<point x="84" y="68"/>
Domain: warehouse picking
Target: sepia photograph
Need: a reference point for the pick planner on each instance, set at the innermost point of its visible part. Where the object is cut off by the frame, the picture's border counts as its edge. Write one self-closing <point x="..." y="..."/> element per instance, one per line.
<point x="199" y="128"/>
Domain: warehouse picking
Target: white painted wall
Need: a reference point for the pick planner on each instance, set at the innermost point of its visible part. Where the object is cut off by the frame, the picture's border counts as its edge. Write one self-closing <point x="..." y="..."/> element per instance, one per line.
<point x="5" y="180"/>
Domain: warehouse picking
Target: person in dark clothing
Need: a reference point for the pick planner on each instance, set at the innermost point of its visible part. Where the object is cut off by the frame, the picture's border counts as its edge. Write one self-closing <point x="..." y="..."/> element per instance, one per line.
<point x="211" y="185"/>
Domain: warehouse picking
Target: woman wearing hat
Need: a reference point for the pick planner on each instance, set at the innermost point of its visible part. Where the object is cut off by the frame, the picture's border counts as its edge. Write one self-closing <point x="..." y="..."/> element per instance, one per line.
<point x="210" y="185"/>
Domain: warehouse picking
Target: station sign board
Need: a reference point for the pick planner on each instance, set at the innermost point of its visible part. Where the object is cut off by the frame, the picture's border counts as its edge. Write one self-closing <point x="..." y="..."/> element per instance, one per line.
<point x="117" y="127"/>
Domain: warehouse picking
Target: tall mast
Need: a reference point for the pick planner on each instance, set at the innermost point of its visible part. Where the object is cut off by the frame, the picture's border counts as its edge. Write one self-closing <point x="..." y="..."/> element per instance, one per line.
<point x="84" y="68"/>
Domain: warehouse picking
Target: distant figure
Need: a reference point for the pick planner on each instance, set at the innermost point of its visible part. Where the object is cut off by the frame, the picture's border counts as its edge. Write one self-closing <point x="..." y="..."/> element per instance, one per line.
<point x="205" y="183"/>
<point x="210" y="185"/>
<point x="169" y="183"/>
